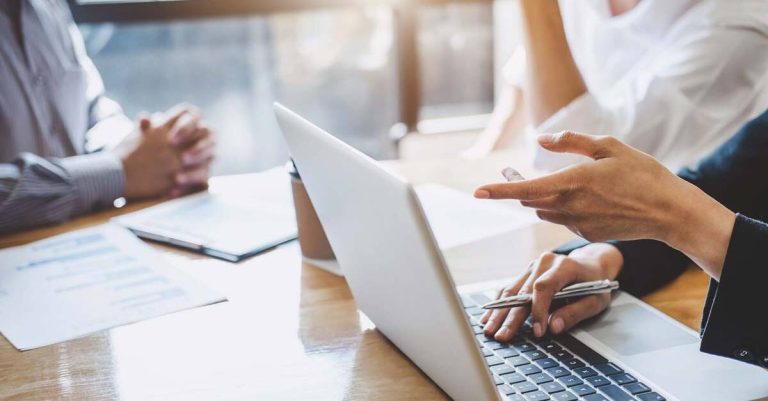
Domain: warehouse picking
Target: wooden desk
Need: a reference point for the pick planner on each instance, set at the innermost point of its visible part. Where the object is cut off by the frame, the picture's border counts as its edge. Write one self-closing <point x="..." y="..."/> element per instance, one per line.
<point x="290" y="331"/>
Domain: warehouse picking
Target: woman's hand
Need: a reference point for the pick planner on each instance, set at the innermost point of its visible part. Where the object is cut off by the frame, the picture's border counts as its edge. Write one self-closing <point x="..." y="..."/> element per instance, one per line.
<point x="623" y="194"/>
<point x="547" y="275"/>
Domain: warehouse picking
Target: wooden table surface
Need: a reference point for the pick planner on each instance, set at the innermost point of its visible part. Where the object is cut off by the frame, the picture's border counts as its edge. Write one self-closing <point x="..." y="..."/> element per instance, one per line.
<point x="290" y="331"/>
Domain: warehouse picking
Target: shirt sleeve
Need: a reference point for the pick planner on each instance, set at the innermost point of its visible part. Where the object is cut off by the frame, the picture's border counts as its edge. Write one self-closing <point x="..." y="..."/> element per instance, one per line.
<point x="677" y="107"/>
<point x="733" y="325"/>
<point x="36" y="191"/>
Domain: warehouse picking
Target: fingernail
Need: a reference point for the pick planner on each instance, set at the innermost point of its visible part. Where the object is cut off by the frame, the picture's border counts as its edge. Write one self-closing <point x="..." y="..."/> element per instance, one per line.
<point x="546" y="139"/>
<point x="502" y="334"/>
<point x="482" y="194"/>
<point x="557" y="325"/>
<point x="537" y="330"/>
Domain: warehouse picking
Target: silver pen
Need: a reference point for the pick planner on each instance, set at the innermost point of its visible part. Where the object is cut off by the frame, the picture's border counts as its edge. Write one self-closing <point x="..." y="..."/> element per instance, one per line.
<point x="575" y="290"/>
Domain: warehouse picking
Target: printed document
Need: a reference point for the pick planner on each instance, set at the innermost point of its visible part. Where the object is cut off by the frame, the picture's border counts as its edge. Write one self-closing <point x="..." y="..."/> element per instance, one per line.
<point x="81" y="282"/>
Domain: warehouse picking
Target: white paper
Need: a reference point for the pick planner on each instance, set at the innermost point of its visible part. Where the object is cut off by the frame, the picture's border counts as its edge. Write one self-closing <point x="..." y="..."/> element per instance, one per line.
<point x="81" y="282"/>
<point x="255" y="214"/>
<point x="457" y="218"/>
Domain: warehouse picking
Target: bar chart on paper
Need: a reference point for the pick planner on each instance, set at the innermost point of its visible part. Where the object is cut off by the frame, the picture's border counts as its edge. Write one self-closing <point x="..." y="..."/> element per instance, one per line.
<point x="78" y="283"/>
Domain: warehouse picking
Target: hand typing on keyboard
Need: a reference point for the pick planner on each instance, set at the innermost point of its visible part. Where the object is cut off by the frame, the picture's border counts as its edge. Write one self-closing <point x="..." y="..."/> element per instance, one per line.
<point x="544" y="277"/>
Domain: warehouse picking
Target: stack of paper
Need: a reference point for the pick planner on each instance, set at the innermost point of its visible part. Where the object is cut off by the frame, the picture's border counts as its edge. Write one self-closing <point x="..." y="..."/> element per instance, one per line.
<point x="85" y="281"/>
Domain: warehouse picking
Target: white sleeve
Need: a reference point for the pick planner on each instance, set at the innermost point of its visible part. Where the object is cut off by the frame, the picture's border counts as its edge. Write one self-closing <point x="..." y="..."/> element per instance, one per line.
<point x="694" y="93"/>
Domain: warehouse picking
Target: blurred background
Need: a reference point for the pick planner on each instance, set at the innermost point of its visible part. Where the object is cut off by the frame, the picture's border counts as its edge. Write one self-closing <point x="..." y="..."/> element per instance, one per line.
<point x="370" y="72"/>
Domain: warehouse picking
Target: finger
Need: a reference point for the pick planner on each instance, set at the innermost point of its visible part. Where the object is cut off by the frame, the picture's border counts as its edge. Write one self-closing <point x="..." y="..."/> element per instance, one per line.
<point x="196" y="176"/>
<point x="516" y="316"/>
<point x="549" y="203"/>
<point x="563" y="272"/>
<point x="497" y="316"/>
<point x="487" y="314"/>
<point x="568" y="316"/>
<point x="555" y="217"/>
<point x="535" y="188"/>
<point x="145" y="122"/>
<point x="186" y="130"/>
<point x="172" y="119"/>
<point x="178" y="191"/>
<point x="202" y="152"/>
<point x="596" y="147"/>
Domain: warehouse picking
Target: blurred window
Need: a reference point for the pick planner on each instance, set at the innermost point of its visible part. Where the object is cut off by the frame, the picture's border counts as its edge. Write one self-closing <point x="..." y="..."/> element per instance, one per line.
<point x="337" y="66"/>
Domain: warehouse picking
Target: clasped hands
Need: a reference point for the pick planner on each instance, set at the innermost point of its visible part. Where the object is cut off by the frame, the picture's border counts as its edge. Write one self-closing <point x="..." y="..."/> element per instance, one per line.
<point x="169" y="154"/>
<point x="622" y="194"/>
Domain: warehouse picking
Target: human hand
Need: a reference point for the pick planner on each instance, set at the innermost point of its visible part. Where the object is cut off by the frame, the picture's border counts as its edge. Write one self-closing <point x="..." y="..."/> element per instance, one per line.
<point x="544" y="277"/>
<point x="196" y="146"/>
<point x="623" y="194"/>
<point x="149" y="159"/>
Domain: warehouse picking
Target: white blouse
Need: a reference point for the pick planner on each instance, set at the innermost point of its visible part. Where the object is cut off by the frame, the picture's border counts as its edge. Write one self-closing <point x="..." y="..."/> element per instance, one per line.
<point x="673" y="78"/>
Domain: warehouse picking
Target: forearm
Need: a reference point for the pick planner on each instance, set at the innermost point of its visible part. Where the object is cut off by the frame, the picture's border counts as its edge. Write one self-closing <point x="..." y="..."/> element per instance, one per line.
<point x="35" y="191"/>
<point x="553" y="79"/>
<point x="701" y="228"/>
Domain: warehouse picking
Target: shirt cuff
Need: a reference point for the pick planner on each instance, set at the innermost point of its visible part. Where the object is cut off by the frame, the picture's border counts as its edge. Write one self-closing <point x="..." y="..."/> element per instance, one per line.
<point x="732" y="324"/>
<point x="582" y="115"/>
<point x="97" y="179"/>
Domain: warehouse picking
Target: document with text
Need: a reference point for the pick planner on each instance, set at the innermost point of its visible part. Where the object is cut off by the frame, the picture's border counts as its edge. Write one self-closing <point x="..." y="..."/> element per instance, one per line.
<point x="78" y="283"/>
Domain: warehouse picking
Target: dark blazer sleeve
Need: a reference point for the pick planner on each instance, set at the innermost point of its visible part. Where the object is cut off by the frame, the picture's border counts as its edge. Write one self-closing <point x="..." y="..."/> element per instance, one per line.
<point x="735" y="175"/>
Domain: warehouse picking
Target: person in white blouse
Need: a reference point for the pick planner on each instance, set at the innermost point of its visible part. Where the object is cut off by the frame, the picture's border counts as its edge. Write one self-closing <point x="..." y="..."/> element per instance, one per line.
<point x="673" y="78"/>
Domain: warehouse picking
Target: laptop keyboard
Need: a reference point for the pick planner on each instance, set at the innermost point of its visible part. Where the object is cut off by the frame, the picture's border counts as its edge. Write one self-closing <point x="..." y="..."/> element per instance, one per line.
<point x="559" y="368"/>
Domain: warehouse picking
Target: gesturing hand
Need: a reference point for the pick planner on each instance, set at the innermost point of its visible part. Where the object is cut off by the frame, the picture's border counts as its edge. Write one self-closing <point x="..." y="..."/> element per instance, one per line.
<point x="547" y="275"/>
<point x="623" y="194"/>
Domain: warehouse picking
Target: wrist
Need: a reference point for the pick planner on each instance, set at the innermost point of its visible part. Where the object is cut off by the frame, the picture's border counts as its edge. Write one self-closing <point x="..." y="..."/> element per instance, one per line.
<point x="701" y="229"/>
<point x="605" y="256"/>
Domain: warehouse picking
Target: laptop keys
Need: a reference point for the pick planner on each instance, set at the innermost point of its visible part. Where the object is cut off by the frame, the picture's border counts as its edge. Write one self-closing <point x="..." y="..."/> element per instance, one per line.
<point x="558" y="372"/>
<point x="540" y="378"/>
<point x="497" y="380"/>
<point x="564" y="396"/>
<point x="623" y="378"/>
<point x="513" y="378"/>
<point x="570" y="380"/>
<point x="636" y="388"/>
<point x="524" y="346"/>
<point x="494" y="360"/>
<point x="562" y="355"/>
<point x="596" y="397"/>
<point x="581" y="350"/>
<point x="537" y="395"/>
<point x="552" y="387"/>
<point x="517" y="361"/>
<point x="515" y="397"/>
<point x="582" y="390"/>
<point x="597" y="381"/>
<point x="534" y="355"/>
<point x="502" y="370"/>
<point x="507" y="352"/>
<point x="573" y="364"/>
<point x="505" y="389"/>
<point x="551" y="347"/>
<point x="585" y="372"/>
<point x="608" y="368"/>
<point x="494" y="345"/>
<point x="615" y="393"/>
<point x="651" y="397"/>
<point x="546" y="363"/>
<point x="528" y="369"/>
<point x="524" y="387"/>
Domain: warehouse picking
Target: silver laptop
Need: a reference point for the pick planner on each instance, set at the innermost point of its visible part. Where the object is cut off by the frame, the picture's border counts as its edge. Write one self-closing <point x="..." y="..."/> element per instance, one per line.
<point x="399" y="279"/>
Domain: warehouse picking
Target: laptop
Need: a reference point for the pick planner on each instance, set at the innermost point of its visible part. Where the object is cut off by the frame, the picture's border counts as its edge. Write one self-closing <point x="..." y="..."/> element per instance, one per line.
<point x="399" y="279"/>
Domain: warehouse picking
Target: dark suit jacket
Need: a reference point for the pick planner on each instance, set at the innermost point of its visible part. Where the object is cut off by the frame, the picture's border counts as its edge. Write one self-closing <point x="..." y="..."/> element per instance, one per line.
<point x="735" y="317"/>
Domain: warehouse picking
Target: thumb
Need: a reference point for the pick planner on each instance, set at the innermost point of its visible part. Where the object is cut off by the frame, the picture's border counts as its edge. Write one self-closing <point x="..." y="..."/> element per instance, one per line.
<point x="144" y="123"/>
<point x="569" y="315"/>
<point x="595" y="147"/>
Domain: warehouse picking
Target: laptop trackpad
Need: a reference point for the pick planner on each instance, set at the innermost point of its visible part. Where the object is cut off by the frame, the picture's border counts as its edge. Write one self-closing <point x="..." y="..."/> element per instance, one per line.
<point x="630" y="329"/>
